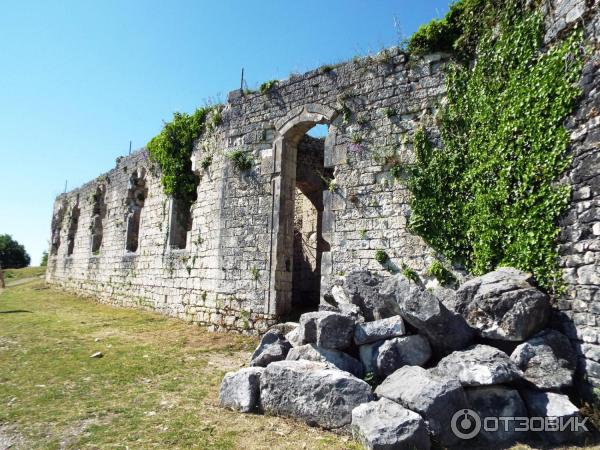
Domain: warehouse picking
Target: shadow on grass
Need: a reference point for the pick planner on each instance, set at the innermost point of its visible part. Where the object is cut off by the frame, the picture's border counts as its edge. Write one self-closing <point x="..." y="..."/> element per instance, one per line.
<point x="15" y="311"/>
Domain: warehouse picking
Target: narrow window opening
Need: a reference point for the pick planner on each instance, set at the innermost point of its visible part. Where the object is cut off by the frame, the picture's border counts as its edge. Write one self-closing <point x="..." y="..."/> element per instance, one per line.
<point x="98" y="215"/>
<point x="73" y="224"/>
<point x="180" y="223"/>
<point x="136" y="197"/>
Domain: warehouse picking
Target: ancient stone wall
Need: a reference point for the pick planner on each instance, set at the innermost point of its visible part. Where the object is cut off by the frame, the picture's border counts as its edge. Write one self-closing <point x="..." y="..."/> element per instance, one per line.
<point x="236" y="270"/>
<point x="579" y="315"/>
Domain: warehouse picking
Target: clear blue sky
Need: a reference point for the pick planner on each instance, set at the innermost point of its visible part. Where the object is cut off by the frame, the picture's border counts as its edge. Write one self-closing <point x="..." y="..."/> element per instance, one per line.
<point x="80" y="79"/>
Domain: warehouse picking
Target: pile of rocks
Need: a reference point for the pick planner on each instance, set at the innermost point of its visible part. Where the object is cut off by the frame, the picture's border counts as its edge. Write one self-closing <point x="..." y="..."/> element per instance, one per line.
<point x="426" y="355"/>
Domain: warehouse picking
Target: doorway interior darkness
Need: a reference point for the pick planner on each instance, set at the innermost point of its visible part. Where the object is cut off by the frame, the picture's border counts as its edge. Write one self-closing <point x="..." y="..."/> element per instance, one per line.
<point x="307" y="212"/>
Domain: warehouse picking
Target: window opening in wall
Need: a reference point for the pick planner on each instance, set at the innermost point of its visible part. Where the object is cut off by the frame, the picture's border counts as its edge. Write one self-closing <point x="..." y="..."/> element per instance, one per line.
<point x="73" y="224"/>
<point x="180" y="222"/>
<point x="136" y="196"/>
<point x="98" y="215"/>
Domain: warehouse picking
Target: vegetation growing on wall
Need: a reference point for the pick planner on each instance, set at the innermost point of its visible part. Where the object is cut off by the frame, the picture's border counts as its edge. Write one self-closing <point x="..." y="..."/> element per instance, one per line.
<point x="172" y="150"/>
<point x="461" y="30"/>
<point x="489" y="197"/>
<point x="241" y="160"/>
<point x="267" y="86"/>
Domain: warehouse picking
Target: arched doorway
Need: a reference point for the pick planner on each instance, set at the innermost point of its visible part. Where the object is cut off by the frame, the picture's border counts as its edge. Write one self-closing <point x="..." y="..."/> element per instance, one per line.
<point x="299" y="177"/>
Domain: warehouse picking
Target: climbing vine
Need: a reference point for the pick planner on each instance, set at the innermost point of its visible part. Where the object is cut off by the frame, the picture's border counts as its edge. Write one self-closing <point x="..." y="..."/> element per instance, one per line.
<point x="172" y="150"/>
<point x="490" y="196"/>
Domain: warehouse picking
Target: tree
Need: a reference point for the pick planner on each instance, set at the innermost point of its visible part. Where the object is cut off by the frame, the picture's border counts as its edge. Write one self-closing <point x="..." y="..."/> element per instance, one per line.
<point x="12" y="254"/>
<point x="44" y="261"/>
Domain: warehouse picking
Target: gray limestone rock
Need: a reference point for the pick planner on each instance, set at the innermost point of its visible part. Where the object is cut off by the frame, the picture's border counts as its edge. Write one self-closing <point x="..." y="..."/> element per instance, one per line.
<point x="326" y="329"/>
<point x="403" y="351"/>
<point x="294" y="338"/>
<point x="445" y="330"/>
<point x="558" y="406"/>
<point x="547" y="360"/>
<point x="498" y="401"/>
<point x="273" y="347"/>
<point x="362" y="288"/>
<point x="435" y="398"/>
<point x="342" y="361"/>
<point x="313" y="392"/>
<point x="241" y="390"/>
<point x="368" y="332"/>
<point x="503" y="305"/>
<point x="386" y="425"/>
<point x="480" y="365"/>
<point x="284" y="328"/>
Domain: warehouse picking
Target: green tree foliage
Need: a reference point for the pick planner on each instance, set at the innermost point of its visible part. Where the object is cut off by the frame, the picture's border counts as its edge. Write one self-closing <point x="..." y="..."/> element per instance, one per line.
<point x="12" y="254"/>
<point x="490" y="196"/>
<point x="44" y="261"/>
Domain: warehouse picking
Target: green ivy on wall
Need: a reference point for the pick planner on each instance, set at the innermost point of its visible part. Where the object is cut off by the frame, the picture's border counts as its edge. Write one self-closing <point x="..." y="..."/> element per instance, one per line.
<point x="172" y="150"/>
<point x="490" y="196"/>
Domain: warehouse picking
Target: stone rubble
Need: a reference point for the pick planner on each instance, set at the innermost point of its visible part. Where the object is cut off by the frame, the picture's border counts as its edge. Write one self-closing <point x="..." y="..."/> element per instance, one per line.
<point x="547" y="360"/>
<point x="241" y="390"/>
<point x="368" y="332"/>
<point x="415" y="388"/>
<point x="273" y="347"/>
<point x="445" y="330"/>
<point x="384" y="425"/>
<point x="503" y="305"/>
<point x="480" y="365"/>
<point x="315" y="392"/>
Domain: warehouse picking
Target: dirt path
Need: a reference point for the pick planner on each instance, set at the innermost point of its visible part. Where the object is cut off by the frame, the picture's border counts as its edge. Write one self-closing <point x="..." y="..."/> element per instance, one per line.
<point x="21" y="281"/>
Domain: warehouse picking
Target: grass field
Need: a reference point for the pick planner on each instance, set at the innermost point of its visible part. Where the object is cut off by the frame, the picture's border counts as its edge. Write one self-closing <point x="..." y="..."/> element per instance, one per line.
<point x="156" y="386"/>
<point x="26" y="272"/>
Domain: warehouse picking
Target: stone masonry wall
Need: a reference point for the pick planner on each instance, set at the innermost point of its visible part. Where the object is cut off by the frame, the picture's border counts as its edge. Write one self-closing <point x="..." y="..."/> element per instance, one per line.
<point x="579" y="308"/>
<point x="232" y="273"/>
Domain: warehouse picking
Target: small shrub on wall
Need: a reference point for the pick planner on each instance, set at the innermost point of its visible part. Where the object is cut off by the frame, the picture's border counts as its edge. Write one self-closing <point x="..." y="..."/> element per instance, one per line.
<point x="489" y="196"/>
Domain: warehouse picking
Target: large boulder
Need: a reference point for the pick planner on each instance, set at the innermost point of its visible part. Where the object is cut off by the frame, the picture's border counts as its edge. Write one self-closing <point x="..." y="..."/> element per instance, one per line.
<point x="273" y="347"/>
<point x="362" y="288"/>
<point x="403" y="351"/>
<point x="494" y="402"/>
<point x="342" y="361"/>
<point x="435" y="398"/>
<point x="293" y="337"/>
<point x="503" y="305"/>
<point x="559" y="408"/>
<point x="445" y="330"/>
<point x="480" y="365"/>
<point x="368" y="332"/>
<point x="284" y="327"/>
<point x="241" y="390"/>
<point x="326" y="329"/>
<point x="386" y="425"/>
<point x="313" y="392"/>
<point x="547" y="360"/>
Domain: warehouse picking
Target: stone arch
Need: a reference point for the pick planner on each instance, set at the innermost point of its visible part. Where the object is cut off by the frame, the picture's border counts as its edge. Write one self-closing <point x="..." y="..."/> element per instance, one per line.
<point x="288" y="133"/>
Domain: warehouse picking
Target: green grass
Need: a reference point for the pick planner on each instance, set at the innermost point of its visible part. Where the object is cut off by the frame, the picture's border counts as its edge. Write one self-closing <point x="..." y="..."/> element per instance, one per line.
<point x="156" y="386"/>
<point x="26" y="272"/>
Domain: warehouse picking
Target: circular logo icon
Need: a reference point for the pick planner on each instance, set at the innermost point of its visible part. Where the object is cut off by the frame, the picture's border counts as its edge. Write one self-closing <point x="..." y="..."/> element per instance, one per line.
<point x="466" y="424"/>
